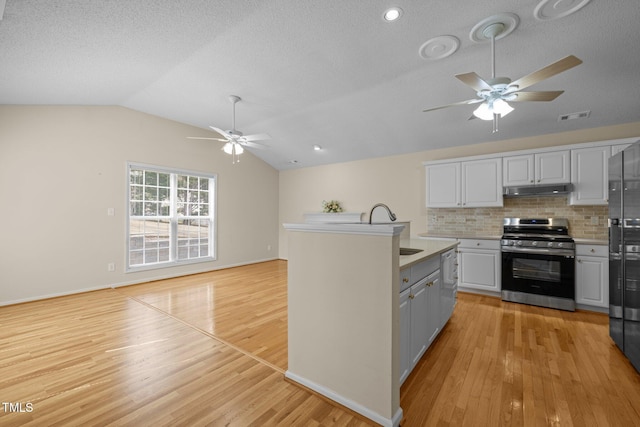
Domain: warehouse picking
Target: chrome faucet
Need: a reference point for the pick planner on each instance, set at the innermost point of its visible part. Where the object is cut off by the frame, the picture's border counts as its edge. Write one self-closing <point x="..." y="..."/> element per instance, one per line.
<point x="392" y="216"/>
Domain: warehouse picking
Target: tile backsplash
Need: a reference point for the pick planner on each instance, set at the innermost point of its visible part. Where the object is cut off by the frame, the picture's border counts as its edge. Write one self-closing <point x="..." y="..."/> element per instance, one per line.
<point x="585" y="222"/>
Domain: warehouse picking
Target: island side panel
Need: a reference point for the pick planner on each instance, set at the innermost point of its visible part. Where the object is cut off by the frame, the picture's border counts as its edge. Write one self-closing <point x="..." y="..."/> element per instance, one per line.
<point x="343" y="316"/>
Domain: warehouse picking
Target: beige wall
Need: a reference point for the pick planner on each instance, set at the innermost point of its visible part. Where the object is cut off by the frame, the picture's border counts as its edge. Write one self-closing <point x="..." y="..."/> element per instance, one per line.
<point x="399" y="180"/>
<point x="61" y="168"/>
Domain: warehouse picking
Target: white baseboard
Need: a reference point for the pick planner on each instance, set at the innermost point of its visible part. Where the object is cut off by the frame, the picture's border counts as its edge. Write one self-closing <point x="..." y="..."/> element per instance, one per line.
<point x="54" y="295"/>
<point x="128" y="283"/>
<point x="362" y="410"/>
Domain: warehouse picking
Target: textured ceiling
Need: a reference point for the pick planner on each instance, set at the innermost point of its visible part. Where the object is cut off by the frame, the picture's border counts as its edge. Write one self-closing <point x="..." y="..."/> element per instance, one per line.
<point x="328" y="72"/>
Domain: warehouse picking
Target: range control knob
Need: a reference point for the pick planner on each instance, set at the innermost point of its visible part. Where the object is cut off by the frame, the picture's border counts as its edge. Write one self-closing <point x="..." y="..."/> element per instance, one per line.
<point x="519" y="243"/>
<point x="550" y="244"/>
<point x="561" y="245"/>
<point x="534" y="243"/>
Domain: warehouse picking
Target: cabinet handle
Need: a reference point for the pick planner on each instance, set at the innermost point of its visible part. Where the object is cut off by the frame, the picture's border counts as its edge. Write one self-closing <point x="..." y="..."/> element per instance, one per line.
<point x="531" y="181"/>
<point x="592" y="250"/>
<point x="478" y="244"/>
<point x="579" y="260"/>
<point x="538" y="180"/>
<point x="405" y="279"/>
<point x="411" y="296"/>
<point x="430" y="284"/>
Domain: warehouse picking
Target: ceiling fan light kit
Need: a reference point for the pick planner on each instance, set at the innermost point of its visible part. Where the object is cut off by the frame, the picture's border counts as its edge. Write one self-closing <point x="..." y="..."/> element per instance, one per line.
<point x="494" y="93"/>
<point x="234" y="140"/>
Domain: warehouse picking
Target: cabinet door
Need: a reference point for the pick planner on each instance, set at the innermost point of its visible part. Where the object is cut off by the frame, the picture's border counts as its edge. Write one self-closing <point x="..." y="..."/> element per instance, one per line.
<point x="405" y="335"/>
<point x="592" y="281"/>
<point x="518" y="170"/>
<point x="590" y="176"/>
<point x="433" y="307"/>
<point x="480" y="269"/>
<point x="482" y="183"/>
<point x="552" y="167"/>
<point x="443" y="185"/>
<point x="418" y="314"/>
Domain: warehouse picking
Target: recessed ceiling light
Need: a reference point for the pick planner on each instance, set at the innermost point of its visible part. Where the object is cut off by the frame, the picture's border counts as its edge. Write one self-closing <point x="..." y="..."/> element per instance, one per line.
<point x="392" y="14"/>
<point x="316" y="147"/>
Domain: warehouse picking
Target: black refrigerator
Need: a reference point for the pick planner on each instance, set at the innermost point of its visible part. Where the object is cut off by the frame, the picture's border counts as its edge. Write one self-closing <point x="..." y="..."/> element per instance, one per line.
<point x="624" y="252"/>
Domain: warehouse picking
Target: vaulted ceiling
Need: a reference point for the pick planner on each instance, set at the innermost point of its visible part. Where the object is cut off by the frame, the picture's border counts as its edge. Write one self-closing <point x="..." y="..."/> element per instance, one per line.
<point x="332" y="72"/>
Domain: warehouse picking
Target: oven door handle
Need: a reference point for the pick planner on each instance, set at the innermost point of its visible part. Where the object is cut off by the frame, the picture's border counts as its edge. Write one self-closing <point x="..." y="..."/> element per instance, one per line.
<point x="567" y="253"/>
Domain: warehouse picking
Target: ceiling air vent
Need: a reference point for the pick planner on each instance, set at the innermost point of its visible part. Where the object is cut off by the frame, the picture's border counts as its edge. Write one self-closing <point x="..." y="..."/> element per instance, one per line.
<point x="580" y="115"/>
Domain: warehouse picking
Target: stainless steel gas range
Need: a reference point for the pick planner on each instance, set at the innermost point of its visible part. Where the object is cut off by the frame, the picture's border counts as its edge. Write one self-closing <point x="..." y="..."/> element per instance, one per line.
<point x="538" y="262"/>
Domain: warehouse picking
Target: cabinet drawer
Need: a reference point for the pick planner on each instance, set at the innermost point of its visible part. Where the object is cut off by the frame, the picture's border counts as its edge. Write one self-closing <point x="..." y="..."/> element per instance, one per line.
<point x="592" y="250"/>
<point x="424" y="268"/>
<point x="479" y="244"/>
<point x="405" y="279"/>
<point x="411" y="275"/>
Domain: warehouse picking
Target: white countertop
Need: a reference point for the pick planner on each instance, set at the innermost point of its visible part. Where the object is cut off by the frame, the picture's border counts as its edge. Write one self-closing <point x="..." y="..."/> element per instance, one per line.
<point x="464" y="235"/>
<point x="430" y="247"/>
<point x="581" y="241"/>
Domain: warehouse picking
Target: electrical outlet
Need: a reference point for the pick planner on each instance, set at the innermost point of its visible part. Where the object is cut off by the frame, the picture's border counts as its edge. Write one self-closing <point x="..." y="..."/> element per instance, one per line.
<point x="595" y="220"/>
<point x="111" y="266"/>
<point x="268" y="247"/>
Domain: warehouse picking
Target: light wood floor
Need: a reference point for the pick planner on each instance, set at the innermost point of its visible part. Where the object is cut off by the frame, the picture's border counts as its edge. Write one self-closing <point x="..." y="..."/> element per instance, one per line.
<point x="210" y="349"/>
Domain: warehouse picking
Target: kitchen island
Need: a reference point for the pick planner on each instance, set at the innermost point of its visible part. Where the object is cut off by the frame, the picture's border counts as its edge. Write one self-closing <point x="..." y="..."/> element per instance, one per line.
<point x="343" y="312"/>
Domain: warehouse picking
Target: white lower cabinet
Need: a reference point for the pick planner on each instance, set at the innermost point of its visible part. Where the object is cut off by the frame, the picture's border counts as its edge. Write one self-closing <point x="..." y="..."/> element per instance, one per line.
<point x="405" y="334"/>
<point x="420" y="320"/>
<point x="480" y="264"/>
<point x="434" y="304"/>
<point x="419" y="314"/>
<point x="592" y="275"/>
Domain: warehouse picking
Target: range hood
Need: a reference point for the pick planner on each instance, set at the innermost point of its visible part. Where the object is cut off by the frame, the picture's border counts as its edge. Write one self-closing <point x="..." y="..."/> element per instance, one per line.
<point x="538" y="190"/>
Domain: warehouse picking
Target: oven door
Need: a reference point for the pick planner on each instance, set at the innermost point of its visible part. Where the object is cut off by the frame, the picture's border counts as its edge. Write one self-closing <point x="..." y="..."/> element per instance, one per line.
<point x="539" y="273"/>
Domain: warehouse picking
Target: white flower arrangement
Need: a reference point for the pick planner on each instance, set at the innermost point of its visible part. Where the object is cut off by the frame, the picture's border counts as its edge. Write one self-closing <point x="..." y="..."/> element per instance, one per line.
<point x="332" y="206"/>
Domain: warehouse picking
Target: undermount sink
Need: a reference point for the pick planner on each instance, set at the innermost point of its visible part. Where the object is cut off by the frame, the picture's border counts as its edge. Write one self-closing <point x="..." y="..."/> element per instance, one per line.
<point x="409" y="251"/>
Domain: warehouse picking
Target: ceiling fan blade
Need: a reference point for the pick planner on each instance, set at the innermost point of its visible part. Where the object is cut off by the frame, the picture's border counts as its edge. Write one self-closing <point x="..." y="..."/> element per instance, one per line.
<point x="549" y="71"/>
<point x="221" y="132"/>
<point x="537" y="96"/>
<point x="474" y="80"/>
<point x="210" y="139"/>
<point x="256" y="137"/>
<point x="467" y="102"/>
<point x="253" y="144"/>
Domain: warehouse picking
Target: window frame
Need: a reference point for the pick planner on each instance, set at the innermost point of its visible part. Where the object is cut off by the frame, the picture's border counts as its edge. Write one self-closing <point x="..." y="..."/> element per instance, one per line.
<point x="173" y="217"/>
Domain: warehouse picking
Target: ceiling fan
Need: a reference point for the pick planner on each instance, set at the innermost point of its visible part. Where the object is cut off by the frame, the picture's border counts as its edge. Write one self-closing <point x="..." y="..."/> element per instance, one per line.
<point x="495" y="93"/>
<point x="234" y="139"/>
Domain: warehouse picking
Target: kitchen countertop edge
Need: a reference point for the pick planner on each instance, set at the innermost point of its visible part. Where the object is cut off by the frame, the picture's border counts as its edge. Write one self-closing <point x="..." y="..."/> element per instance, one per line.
<point x="429" y="248"/>
<point x="460" y="236"/>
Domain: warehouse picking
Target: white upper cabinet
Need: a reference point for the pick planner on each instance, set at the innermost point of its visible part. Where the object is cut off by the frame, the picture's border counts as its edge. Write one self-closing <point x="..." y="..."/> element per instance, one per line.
<point x="541" y="168"/>
<point x="478" y="181"/>
<point x="443" y="185"/>
<point x="475" y="183"/>
<point x="589" y="175"/>
<point x="481" y="183"/>
<point x="518" y="170"/>
<point x="553" y="167"/>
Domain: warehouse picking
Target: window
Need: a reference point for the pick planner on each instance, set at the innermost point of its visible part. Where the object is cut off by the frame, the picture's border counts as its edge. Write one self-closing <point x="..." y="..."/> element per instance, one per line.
<point x="171" y="217"/>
